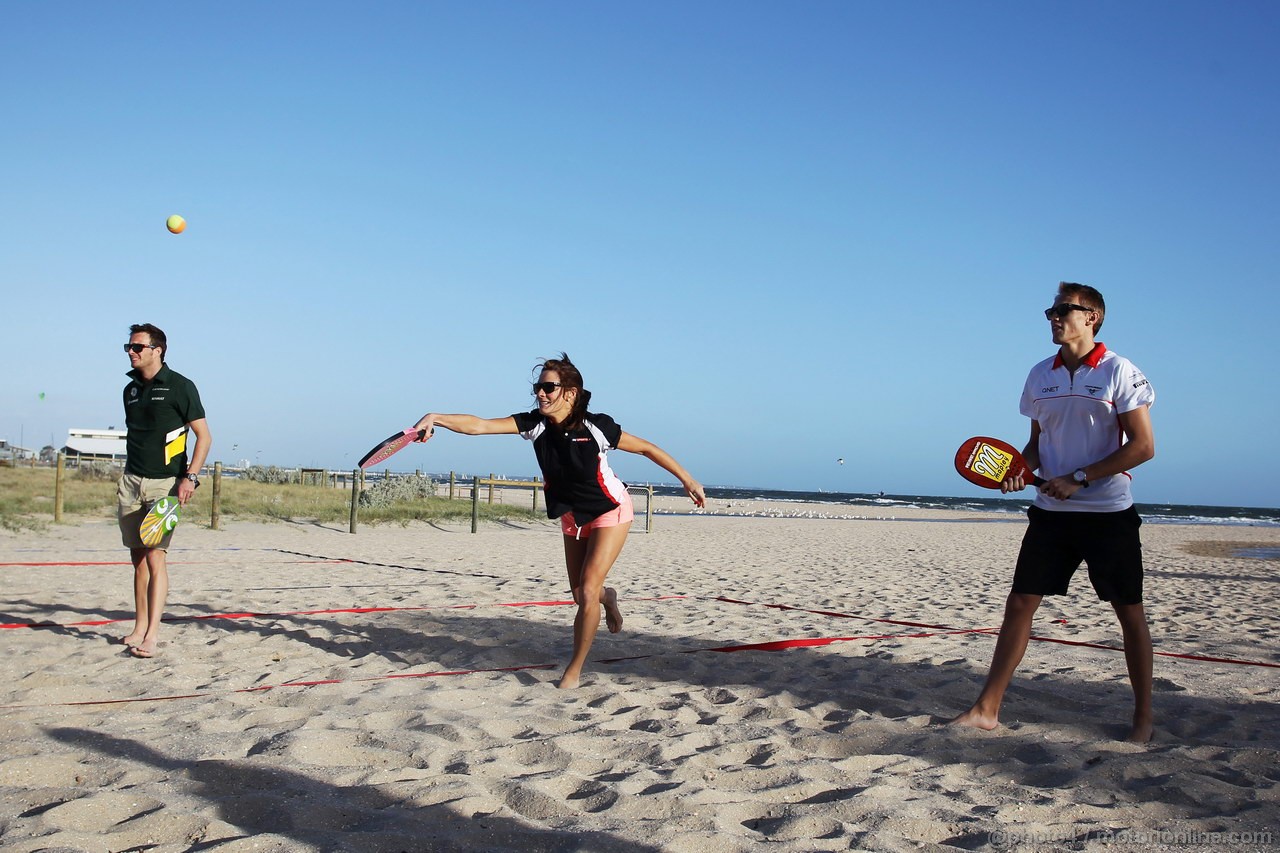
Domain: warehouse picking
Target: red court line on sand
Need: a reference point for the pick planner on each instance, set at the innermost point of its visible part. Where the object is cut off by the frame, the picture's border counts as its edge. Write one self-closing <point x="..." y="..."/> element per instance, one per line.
<point x="265" y="687"/>
<point x="943" y="629"/>
<point x="996" y="631"/>
<point x="776" y="645"/>
<point x="83" y="563"/>
<point x="769" y="646"/>
<point x="321" y="612"/>
<point x="170" y="562"/>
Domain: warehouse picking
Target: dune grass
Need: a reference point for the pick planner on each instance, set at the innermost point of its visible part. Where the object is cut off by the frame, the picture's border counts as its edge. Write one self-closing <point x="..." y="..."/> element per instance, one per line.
<point x="27" y="497"/>
<point x="27" y="494"/>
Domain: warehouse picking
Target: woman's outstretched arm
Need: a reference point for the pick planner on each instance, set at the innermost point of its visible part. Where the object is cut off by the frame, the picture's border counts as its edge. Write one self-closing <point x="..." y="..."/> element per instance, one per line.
<point x="660" y="457"/>
<point x="467" y="424"/>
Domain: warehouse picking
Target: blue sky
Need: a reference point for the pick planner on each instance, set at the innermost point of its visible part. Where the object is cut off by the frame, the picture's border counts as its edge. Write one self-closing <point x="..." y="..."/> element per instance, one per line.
<point x="771" y="235"/>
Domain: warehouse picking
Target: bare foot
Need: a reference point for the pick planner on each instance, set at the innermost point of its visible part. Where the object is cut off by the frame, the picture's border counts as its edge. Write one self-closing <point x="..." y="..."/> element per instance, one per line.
<point x="567" y="682"/>
<point x="612" y="615"/>
<point x="132" y="640"/>
<point x="146" y="649"/>
<point x="1142" y="732"/>
<point x="975" y="719"/>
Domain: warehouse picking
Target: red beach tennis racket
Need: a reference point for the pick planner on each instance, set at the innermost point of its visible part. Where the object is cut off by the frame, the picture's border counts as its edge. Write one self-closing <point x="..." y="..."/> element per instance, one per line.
<point x="391" y="446"/>
<point x="988" y="462"/>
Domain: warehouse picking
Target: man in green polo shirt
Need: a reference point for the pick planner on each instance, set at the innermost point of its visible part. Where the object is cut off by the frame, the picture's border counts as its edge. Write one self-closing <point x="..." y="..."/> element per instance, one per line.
<point x="162" y="411"/>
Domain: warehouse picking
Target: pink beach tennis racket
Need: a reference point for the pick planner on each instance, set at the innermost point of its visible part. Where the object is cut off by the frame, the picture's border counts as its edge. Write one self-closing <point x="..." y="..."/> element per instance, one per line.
<point x="988" y="462"/>
<point x="391" y="446"/>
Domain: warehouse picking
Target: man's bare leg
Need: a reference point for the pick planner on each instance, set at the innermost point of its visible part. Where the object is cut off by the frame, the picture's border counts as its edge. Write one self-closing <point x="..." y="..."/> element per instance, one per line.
<point x="151" y="603"/>
<point x="141" y="582"/>
<point x="1138" y="657"/>
<point x="1015" y="633"/>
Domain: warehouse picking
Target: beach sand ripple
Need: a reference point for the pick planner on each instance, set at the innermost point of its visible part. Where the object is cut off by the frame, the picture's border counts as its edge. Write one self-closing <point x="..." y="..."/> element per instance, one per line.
<point x="781" y="679"/>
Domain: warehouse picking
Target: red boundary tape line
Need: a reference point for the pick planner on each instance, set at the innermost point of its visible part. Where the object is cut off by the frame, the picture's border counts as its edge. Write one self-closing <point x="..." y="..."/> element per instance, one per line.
<point x="776" y="645"/>
<point x="321" y="612"/>
<point x="770" y="646"/>
<point x="1204" y="658"/>
<point x="807" y="642"/>
<point x="83" y="563"/>
<point x="262" y="688"/>
<point x="354" y="561"/>
<point x="946" y="628"/>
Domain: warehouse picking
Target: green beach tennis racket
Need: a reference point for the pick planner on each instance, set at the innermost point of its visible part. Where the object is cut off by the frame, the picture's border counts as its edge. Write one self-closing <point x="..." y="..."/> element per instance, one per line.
<point x="159" y="521"/>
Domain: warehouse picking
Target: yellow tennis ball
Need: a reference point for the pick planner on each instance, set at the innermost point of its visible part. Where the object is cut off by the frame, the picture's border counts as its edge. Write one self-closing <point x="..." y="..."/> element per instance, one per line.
<point x="176" y="224"/>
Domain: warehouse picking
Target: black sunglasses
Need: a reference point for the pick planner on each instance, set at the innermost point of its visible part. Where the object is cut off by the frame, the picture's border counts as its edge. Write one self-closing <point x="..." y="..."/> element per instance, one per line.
<point x="138" y="348"/>
<point x="1062" y="309"/>
<point x="547" y="388"/>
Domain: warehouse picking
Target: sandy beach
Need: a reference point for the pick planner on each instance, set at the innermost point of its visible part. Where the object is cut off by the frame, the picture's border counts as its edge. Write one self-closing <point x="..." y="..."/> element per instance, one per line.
<point x="779" y="681"/>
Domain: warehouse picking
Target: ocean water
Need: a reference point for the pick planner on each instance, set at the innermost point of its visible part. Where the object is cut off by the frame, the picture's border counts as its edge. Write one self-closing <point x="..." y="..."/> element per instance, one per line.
<point x="1015" y="507"/>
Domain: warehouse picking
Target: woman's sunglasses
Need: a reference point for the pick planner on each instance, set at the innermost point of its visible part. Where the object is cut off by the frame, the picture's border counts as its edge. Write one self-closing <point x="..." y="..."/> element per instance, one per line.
<point x="138" y="348"/>
<point x="547" y="388"/>
<point x="1062" y="309"/>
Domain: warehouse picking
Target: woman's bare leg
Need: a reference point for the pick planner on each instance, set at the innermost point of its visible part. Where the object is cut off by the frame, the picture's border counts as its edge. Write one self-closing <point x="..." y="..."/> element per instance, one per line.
<point x="588" y="562"/>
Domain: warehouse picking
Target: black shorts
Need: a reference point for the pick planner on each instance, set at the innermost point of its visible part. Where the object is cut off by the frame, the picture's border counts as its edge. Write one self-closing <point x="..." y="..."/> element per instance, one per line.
<point x="1057" y="542"/>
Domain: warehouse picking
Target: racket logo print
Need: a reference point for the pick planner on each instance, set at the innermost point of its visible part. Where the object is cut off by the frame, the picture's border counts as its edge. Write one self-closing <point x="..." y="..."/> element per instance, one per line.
<point x="159" y="521"/>
<point x="387" y="453"/>
<point x="990" y="462"/>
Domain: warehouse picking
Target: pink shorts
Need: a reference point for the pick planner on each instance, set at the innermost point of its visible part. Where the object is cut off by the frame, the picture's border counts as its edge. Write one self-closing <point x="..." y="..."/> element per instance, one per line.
<point x="624" y="513"/>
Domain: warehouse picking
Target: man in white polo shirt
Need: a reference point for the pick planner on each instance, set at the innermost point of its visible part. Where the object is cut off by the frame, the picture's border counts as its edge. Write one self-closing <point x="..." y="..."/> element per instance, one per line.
<point x="1090" y="425"/>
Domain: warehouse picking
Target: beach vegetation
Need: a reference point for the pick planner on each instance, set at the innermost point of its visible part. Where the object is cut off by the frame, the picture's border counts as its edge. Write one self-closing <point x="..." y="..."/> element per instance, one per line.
<point x="27" y="501"/>
<point x="27" y="497"/>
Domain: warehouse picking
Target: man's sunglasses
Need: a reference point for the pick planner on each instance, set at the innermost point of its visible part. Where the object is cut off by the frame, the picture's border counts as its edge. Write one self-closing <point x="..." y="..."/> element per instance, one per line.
<point x="138" y="348"/>
<point x="547" y="388"/>
<point x="1062" y="309"/>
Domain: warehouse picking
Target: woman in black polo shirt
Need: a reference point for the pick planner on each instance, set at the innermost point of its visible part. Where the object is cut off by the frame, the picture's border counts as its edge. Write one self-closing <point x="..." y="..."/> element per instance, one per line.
<point x="592" y="504"/>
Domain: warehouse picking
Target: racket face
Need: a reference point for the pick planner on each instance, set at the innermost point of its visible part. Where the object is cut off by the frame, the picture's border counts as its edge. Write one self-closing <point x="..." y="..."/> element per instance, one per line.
<point x="390" y="447"/>
<point x="159" y="521"/>
<point x="988" y="462"/>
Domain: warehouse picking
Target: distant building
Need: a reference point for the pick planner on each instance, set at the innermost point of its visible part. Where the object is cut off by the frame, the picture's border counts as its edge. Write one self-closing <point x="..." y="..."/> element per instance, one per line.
<point x="13" y="451"/>
<point x="96" y="443"/>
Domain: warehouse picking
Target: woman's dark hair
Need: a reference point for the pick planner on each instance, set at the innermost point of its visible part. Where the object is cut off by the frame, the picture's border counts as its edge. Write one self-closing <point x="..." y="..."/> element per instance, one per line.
<point x="570" y="377"/>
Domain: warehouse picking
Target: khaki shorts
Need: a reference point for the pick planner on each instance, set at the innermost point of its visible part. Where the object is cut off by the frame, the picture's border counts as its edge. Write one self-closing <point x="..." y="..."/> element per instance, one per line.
<point x="134" y="497"/>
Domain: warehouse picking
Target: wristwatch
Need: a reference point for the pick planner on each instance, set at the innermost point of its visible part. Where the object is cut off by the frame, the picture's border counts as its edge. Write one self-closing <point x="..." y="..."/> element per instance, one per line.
<point x="1080" y="478"/>
<point x="193" y="478"/>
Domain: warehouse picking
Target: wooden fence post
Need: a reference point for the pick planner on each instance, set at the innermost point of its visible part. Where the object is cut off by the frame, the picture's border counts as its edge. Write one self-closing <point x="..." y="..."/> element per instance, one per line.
<point x="215" y="513"/>
<point x="57" y="487"/>
<point x="450" y="485"/>
<point x="490" y="487"/>
<point x="475" y="504"/>
<point x="355" y="497"/>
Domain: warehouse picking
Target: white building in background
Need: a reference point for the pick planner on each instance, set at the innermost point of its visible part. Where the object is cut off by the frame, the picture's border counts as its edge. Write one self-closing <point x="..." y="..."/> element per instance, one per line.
<point x="96" y="443"/>
<point x="13" y="451"/>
